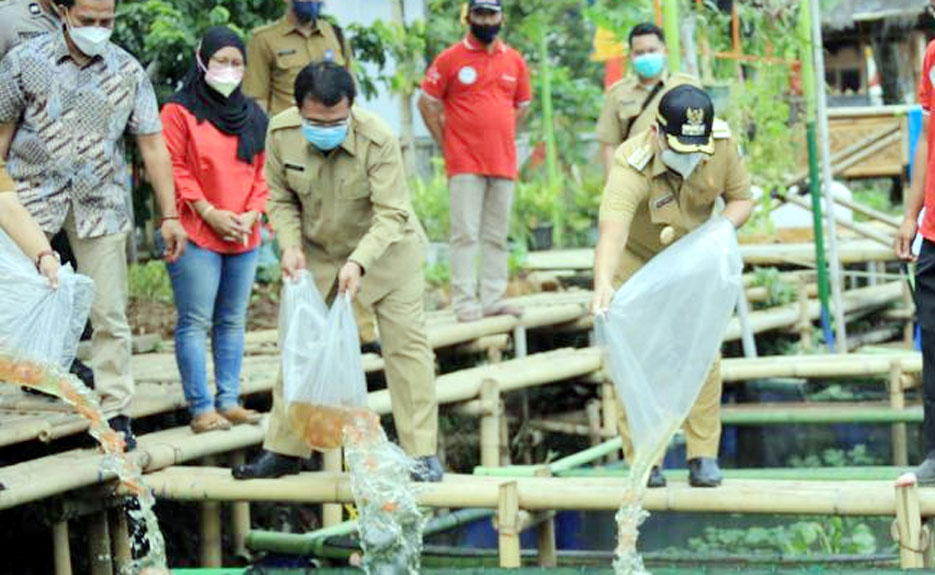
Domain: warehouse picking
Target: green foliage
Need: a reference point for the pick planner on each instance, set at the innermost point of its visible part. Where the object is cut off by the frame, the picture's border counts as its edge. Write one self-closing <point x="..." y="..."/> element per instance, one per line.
<point x="778" y="290"/>
<point x="430" y="202"/>
<point x="874" y="193"/>
<point x="382" y="42"/>
<point x="827" y="536"/>
<point x="150" y="282"/>
<point x="856" y="457"/>
<point x="438" y="275"/>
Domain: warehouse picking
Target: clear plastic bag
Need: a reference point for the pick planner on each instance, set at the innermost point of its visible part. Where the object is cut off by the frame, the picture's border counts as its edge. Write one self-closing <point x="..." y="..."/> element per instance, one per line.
<point x="664" y="329"/>
<point x="37" y="323"/>
<point x="323" y="375"/>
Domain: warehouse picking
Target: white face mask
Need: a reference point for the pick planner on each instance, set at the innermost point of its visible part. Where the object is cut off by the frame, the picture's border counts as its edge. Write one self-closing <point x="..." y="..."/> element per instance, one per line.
<point x="91" y="40"/>
<point x="682" y="164"/>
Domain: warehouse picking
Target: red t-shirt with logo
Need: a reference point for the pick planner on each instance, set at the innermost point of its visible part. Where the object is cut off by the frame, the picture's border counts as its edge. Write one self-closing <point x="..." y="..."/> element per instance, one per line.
<point x="927" y="99"/>
<point x="481" y="91"/>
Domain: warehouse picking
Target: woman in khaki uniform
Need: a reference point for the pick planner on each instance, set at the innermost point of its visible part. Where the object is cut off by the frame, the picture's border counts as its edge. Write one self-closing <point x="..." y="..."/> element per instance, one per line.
<point x="665" y="182"/>
<point x="340" y="206"/>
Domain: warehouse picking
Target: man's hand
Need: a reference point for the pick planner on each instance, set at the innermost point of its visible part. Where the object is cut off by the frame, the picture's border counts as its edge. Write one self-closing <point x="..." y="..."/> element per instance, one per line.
<point x="174" y="236"/>
<point x="902" y="244"/>
<point x="292" y="262"/>
<point x="49" y="267"/>
<point x="603" y="296"/>
<point x="349" y="279"/>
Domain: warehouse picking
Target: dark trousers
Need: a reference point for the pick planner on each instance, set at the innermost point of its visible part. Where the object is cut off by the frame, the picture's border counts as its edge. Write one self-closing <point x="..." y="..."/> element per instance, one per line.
<point x="925" y="306"/>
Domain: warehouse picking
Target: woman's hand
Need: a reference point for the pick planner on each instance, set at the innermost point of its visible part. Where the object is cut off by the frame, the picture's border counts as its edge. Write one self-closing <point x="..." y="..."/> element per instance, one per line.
<point x="226" y="224"/>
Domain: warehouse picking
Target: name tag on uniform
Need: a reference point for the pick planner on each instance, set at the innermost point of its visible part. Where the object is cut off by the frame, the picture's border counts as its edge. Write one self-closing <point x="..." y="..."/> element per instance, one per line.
<point x="295" y="167"/>
<point x="286" y="52"/>
<point x="663" y="202"/>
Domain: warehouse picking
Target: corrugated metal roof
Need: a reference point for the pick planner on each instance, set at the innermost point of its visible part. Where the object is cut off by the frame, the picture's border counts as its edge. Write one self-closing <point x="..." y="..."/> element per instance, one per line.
<point x="848" y="12"/>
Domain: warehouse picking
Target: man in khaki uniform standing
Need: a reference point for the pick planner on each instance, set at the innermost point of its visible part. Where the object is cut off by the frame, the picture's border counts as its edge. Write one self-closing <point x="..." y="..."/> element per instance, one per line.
<point x="630" y="105"/>
<point x="21" y="20"/>
<point x="341" y="207"/>
<point x="277" y="53"/>
<point x="665" y="182"/>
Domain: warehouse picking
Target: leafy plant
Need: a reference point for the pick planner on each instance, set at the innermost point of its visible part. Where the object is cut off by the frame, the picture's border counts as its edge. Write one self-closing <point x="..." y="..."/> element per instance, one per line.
<point x="828" y="536"/>
<point x="778" y="290"/>
<point x="150" y="281"/>
<point x="858" y="456"/>
<point x="430" y="202"/>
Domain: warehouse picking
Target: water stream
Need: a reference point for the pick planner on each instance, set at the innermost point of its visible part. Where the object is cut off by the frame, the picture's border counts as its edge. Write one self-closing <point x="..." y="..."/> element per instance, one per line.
<point x="149" y="550"/>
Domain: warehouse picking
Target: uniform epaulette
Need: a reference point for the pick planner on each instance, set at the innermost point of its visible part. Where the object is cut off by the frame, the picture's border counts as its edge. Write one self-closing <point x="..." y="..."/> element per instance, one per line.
<point x="640" y="157"/>
<point x="721" y="130"/>
<point x="288" y="118"/>
<point x="372" y="127"/>
<point x="262" y="29"/>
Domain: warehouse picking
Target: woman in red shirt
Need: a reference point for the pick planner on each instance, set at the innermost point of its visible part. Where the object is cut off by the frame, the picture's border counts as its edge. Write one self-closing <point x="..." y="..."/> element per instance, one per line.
<point x="216" y="137"/>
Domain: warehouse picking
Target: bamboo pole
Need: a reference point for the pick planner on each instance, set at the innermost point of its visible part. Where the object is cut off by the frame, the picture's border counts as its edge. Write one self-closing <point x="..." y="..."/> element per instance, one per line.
<point x="673" y="39"/>
<point x="593" y="411"/>
<point x="869" y="212"/>
<point x="865" y="231"/>
<point x="548" y="550"/>
<point x="332" y="462"/>
<point x="490" y="424"/>
<point x="209" y="527"/>
<point x="908" y="532"/>
<point x="508" y="526"/>
<point x="61" y="548"/>
<point x="120" y="539"/>
<point x="804" y="327"/>
<point x="898" y="402"/>
<point x="827" y="180"/>
<point x="929" y="542"/>
<point x="818" y="366"/>
<point x="99" y="544"/>
<point x="240" y="514"/>
<point x="870" y="498"/>
<point x="815" y="414"/>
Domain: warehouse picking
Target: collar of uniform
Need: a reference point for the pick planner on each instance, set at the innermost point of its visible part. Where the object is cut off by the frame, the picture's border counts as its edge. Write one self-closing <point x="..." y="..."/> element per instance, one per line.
<point x="290" y="27"/>
<point x="659" y="167"/>
<point x="350" y="142"/>
<point x="474" y="47"/>
<point x="650" y="87"/>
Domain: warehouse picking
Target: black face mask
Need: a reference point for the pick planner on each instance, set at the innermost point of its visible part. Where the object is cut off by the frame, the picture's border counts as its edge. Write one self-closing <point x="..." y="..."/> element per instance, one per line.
<point x="485" y="33"/>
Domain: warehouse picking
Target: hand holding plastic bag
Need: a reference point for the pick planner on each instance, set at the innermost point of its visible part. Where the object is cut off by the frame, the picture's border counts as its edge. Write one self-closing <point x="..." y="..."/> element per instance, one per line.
<point x="323" y="374"/>
<point x="663" y="331"/>
<point x="37" y="323"/>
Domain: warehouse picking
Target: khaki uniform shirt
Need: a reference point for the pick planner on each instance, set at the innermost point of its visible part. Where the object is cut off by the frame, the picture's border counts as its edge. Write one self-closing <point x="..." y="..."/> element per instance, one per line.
<point x="622" y="105"/>
<point x="277" y="52"/>
<point x="644" y="194"/>
<point x="352" y="203"/>
<point x="21" y="20"/>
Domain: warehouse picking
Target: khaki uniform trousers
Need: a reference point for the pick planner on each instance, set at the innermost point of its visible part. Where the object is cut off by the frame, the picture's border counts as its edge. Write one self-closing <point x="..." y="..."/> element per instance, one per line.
<point x="410" y="376"/>
<point x="702" y="428"/>
<point x="366" y="322"/>
<point x="104" y="260"/>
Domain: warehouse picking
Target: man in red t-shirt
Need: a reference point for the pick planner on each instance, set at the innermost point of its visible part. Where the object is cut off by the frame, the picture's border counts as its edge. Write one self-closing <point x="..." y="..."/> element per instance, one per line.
<point x="473" y="97"/>
<point x="922" y="192"/>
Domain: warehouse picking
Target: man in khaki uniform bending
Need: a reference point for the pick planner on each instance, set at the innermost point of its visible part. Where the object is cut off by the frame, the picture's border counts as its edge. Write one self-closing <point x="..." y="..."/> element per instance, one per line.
<point x="630" y="105"/>
<point x="665" y="182"/>
<point x="277" y="53"/>
<point x="341" y="207"/>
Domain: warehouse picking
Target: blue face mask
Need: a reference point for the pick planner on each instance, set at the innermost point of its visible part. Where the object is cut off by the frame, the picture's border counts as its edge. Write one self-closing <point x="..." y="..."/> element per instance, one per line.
<point x="649" y="65"/>
<point x="325" y="139"/>
<point x="306" y="11"/>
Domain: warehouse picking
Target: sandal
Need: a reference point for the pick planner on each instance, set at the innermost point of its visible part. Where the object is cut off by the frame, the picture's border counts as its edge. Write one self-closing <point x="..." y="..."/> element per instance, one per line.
<point x="209" y="421"/>
<point x="239" y="415"/>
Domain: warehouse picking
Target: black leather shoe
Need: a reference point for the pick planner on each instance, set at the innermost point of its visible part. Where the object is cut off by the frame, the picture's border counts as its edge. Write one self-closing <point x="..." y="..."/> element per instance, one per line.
<point x="704" y="472"/>
<point x="429" y="470"/>
<point x="925" y="473"/>
<point x="268" y="465"/>
<point x="372" y="347"/>
<point x="656" y="478"/>
<point x="121" y="424"/>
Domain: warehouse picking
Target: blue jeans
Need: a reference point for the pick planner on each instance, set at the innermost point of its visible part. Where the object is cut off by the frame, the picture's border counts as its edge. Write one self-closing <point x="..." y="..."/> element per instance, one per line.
<point x="212" y="292"/>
